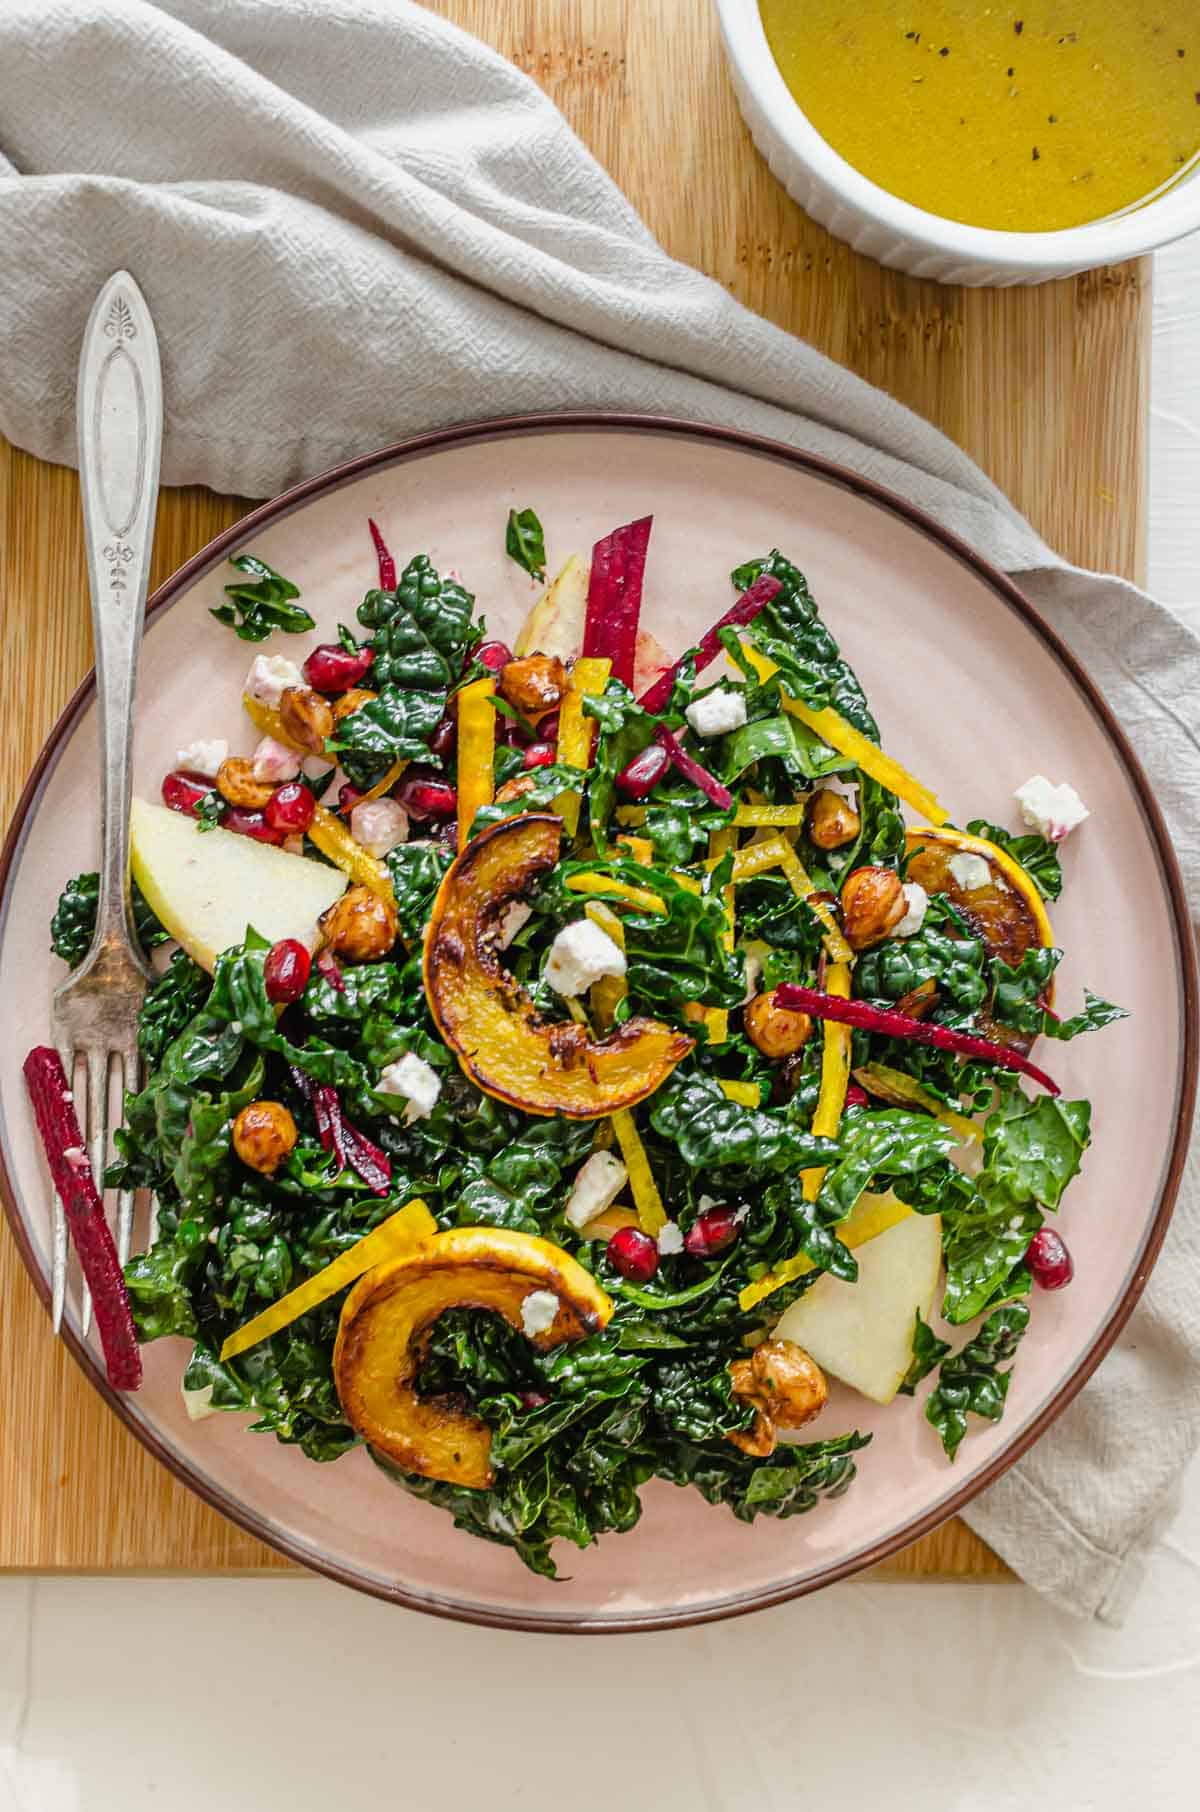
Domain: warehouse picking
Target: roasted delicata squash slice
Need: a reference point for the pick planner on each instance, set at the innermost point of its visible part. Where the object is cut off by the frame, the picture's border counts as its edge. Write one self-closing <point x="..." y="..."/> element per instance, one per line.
<point x="1003" y="905"/>
<point x="388" y="1314"/>
<point x="489" y="1021"/>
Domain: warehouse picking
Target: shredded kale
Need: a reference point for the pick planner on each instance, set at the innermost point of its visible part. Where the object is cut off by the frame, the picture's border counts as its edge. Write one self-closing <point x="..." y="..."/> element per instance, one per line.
<point x="74" y="921"/>
<point x="525" y="542"/>
<point x="790" y="632"/>
<point x="1020" y="991"/>
<point x="970" y="1382"/>
<point x="927" y="1352"/>
<point x="256" y="609"/>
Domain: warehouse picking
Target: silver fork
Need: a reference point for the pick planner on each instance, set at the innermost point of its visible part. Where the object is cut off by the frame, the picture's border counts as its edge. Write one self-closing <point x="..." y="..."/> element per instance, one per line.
<point x="119" y="425"/>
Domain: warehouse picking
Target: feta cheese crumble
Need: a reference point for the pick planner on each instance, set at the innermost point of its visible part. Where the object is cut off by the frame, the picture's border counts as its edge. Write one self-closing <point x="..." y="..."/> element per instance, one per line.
<point x="597" y="1185"/>
<point x="918" y="904"/>
<point x="413" y="1079"/>
<point x="969" y="871"/>
<point x="538" y="1311"/>
<point x="273" y="762"/>
<point x="379" y="825"/>
<point x="514" y="917"/>
<point x="670" y="1238"/>
<point x="580" y="955"/>
<point x="203" y="757"/>
<point x="717" y="712"/>
<point x="270" y="676"/>
<point x="1053" y="810"/>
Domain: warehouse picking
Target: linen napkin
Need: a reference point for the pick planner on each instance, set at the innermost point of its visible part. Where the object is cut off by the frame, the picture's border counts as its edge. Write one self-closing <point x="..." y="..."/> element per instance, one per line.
<point x="353" y="222"/>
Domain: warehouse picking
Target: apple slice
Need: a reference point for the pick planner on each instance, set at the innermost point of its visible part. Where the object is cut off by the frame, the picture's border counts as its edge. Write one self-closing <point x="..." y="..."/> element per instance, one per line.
<point x="207" y="886"/>
<point x="862" y="1332"/>
<point x="555" y="623"/>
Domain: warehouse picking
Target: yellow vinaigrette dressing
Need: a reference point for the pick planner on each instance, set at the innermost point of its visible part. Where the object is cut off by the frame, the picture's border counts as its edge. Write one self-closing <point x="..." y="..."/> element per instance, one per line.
<point x="1026" y="117"/>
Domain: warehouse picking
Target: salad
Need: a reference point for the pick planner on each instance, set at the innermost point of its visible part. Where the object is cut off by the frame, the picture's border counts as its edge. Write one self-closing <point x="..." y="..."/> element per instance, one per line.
<point x="570" y="1057"/>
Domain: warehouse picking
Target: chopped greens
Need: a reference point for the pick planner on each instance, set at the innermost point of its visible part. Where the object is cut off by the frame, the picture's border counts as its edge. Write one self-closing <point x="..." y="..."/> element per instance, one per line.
<point x="525" y="542"/>
<point x="971" y="1382"/>
<point x="263" y="604"/>
<point x="74" y="920"/>
<point x="768" y="1175"/>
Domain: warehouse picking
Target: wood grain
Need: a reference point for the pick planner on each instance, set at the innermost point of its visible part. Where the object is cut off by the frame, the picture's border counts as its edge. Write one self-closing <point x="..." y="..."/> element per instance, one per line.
<point x="1045" y="387"/>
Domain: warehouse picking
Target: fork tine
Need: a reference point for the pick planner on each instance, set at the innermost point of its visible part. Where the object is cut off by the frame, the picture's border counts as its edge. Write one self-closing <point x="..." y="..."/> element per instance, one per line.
<point x="97" y="1137"/>
<point x="58" y="1260"/>
<point x="130" y="1076"/>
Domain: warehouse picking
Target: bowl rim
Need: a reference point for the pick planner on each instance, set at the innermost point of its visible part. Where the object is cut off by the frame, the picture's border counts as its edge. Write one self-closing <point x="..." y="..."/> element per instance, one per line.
<point x="473" y="432"/>
<point x="1099" y="242"/>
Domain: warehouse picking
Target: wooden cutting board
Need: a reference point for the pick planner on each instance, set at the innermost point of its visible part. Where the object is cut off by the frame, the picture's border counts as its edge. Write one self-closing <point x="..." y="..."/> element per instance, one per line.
<point x="1045" y="387"/>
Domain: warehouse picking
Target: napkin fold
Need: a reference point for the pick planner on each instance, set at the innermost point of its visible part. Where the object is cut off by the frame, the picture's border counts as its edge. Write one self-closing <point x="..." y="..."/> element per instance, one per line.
<point x="353" y="223"/>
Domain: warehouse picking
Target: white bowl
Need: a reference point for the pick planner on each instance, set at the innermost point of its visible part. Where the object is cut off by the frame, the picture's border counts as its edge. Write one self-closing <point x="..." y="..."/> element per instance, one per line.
<point x="894" y="232"/>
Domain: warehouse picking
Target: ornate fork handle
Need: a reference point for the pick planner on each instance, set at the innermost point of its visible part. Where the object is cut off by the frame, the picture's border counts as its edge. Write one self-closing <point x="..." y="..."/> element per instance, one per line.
<point x="119" y="422"/>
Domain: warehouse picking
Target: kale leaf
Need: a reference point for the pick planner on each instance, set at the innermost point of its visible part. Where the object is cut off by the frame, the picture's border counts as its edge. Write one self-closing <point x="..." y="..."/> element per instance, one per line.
<point x="522" y="1185"/>
<point x="1032" y="1149"/>
<point x="970" y="1382"/>
<point x="939" y="952"/>
<point x="1036" y="855"/>
<point x="728" y="1142"/>
<point x="625" y="730"/>
<point x="1019" y="991"/>
<point x="442" y="608"/>
<point x="171" y="1003"/>
<point x="671" y="957"/>
<point x="255" y="610"/>
<point x="74" y="921"/>
<point x="889" y="1143"/>
<point x="792" y="1481"/>
<point x="789" y="631"/>
<point x="395" y="726"/>
<point x="416" y="870"/>
<point x="405" y="655"/>
<point x="927" y="1351"/>
<point x="525" y="542"/>
<point x="782" y="738"/>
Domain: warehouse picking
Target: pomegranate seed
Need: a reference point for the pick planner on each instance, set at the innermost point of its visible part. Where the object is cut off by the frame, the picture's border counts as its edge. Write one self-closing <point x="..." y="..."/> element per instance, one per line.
<point x="855" y="1096"/>
<point x="290" y="809"/>
<point x="547" y="727"/>
<point x="444" y="737"/>
<point x="251" y="824"/>
<point x="494" y="655"/>
<point x="348" y="797"/>
<point x="534" y="1399"/>
<point x="644" y="772"/>
<point x="286" y="969"/>
<point x="634" y="1254"/>
<point x="1050" y="1264"/>
<point x="329" y="967"/>
<point x="539" y="755"/>
<point x="332" y="668"/>
<point x="182" y="790"/>
<point x="711" y="1232"/>
<point x="424" y="793"/>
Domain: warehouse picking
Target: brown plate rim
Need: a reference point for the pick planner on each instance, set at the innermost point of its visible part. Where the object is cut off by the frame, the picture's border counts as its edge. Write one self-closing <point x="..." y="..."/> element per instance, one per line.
<point x="613" y="421"/>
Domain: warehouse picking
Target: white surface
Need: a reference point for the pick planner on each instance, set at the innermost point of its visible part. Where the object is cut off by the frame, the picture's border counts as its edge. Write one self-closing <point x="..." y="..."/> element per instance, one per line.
<point x="252" y="1695"/>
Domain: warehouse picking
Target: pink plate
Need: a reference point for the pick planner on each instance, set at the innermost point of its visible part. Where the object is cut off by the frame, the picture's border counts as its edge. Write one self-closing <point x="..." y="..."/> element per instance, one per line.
<point x="972" y="693"/>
